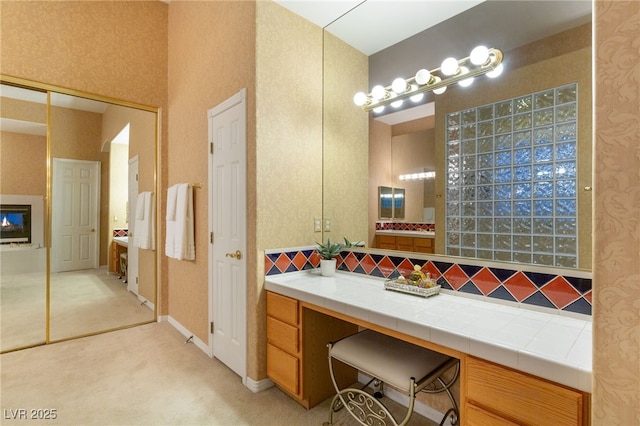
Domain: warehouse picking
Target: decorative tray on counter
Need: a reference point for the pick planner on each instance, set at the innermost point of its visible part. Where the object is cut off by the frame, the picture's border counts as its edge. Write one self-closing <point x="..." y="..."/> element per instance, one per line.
<point x="406" y="286"/>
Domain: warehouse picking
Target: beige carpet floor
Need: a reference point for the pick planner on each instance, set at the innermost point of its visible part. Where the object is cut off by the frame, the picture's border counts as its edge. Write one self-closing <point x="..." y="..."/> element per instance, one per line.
<point x="144" y="375"/>
<point x="82" y="302"/>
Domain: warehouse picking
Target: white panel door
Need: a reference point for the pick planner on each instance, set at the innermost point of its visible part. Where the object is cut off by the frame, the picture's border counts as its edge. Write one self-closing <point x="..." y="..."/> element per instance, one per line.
<point x="132" y="250"/>
<point x="75" y="197"/>
<point x="227" y="221"/>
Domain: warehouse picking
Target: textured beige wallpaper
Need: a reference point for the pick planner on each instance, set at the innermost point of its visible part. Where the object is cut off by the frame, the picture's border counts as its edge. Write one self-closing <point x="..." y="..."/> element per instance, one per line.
<point x="289" y="128"/>
<point x="211" y="58"/>
<point x="116" y="49"/>
<point x="616" y="265"/>
<point x="288" y="147"/>
<point x="345" y="142"/>
<point x="18" y="155"/>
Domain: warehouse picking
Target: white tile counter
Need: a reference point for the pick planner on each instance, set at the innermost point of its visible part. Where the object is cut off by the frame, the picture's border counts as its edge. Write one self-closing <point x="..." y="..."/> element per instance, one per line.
<point x="416" y="234"/>
<point x="123" y="241"/>
<point x="554" y="347"/>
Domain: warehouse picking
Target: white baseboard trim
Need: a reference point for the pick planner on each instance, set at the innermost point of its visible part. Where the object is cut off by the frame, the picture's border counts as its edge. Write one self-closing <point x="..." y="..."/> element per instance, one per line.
<point x="146" y="302"/>
<point x="189" y="335"/>
<point x="402" y="399"/>
<point x="256" y="386"/>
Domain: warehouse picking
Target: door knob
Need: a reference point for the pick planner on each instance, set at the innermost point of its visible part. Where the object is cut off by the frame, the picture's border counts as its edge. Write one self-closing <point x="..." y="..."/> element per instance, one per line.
<point x="237" y="255"/>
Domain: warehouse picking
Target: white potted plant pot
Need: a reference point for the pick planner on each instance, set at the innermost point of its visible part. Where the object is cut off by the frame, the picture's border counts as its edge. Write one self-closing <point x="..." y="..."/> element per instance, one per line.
<point x="328" y="267"/>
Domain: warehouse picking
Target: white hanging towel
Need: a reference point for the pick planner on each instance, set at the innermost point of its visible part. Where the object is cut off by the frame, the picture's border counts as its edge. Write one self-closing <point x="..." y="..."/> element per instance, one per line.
<point x="180" y="242"/>
<point x="144" y="235"/>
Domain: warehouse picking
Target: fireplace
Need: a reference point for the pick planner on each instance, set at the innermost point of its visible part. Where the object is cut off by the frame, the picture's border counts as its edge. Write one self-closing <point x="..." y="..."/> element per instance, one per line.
<point x="15" y="223"/>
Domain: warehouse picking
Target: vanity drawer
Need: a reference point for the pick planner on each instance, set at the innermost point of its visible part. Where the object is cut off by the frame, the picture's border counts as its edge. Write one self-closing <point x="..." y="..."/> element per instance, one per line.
<point x="520" y="397"/>
<point x="282" y="335"/>
<point x="476" y="416"/>
<point x="283" y="308"/>
<point x="283" y="369"/>
<point x="423" y="245"/>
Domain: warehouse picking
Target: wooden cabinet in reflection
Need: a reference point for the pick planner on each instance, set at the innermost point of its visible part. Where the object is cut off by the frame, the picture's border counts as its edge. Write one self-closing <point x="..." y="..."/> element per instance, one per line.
<point x="116" y="251"/>
<point x="404" y="243"/>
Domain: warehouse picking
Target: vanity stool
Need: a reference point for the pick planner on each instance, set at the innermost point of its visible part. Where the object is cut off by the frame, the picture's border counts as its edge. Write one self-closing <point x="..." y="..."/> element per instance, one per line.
<point x="406" y="366"/>
<point x="123" y="266"/>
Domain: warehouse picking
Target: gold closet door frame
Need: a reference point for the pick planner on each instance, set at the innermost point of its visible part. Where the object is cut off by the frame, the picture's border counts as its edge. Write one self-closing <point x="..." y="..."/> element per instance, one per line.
<point x="49" y="89"/>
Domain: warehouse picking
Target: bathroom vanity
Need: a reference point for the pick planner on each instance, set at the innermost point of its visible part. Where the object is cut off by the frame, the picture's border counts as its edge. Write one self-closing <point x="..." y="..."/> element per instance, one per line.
<point x="418" y="241"/>
<point x="118" y="246"/>
<point x="518" y="366"/>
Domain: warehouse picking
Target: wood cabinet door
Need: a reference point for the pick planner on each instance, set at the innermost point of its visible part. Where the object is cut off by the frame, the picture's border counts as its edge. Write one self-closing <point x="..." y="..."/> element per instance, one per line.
<point x="284" y="369"/>
<point x="404" y="243"/>
<point x="423" y="245"/>
<point x="387" y="242"/>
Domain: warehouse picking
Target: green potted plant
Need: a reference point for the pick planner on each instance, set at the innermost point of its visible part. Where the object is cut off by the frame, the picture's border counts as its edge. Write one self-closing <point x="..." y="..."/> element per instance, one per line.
<point x="328" y="253"/>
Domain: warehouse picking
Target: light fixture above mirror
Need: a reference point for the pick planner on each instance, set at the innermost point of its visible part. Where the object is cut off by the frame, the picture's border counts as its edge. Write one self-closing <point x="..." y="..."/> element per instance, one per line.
<point x="481" y="61"/>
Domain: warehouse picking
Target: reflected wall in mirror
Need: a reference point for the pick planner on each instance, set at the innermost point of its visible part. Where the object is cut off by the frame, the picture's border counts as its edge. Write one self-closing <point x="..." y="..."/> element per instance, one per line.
<point x="413" y="168"/>
<point x="539" y="54"/>
<point x="23" y="185"/>
<point x="102" y="155"/>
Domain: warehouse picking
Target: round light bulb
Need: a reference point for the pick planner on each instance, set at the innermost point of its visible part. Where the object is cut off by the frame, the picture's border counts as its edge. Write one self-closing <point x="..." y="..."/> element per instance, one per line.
<point x="397" y="104"/>
<point x="449" y="66"/>
<point x="399" y="85"/>
<point x="423" y="76"/>
<point x="496" y="72"/>
<point x="441" y="90"/>
<point x="378" y="92"/>
<point x="467" y="81"/>
<point x="379" y="109"/>
<point x="479" y="55"/>
<point x="360" y="98"/>
<point x="417" y="98"/>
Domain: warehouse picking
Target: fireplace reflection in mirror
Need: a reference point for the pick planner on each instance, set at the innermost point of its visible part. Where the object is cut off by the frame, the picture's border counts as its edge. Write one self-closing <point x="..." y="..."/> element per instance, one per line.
<point x="15" y="223"/>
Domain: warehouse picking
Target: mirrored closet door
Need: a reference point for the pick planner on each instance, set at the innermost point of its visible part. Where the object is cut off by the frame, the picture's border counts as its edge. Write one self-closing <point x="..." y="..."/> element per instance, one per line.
<point x="23" y="189"/>
<point x="86" y="263"/>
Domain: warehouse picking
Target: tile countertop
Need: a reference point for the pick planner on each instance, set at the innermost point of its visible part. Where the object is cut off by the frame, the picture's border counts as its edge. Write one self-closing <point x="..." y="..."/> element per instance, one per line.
<point x="547" y="345"/>
<point x="123" y="241"/>
<point x="416" y="234"/>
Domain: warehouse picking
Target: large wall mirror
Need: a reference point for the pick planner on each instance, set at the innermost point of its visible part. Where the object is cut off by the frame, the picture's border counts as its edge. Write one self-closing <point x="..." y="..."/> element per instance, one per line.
<point x="77" y="242"/>
<point x="546" y="46"/>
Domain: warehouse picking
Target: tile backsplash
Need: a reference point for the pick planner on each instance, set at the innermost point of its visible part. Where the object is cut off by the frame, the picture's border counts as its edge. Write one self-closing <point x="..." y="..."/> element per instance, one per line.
<point x="120" y="232"/>
<point x="565" y="292"/>
<point x="405" y="226"/>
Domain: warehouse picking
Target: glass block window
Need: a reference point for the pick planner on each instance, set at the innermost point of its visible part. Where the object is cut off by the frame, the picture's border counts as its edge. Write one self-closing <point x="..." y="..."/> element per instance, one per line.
<point x="512" y="180"/>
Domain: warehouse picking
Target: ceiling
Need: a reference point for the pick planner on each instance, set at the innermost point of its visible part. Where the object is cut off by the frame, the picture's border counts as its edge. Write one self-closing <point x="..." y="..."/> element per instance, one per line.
<point x="401" y="36"/>
<point x="395" y="20"/>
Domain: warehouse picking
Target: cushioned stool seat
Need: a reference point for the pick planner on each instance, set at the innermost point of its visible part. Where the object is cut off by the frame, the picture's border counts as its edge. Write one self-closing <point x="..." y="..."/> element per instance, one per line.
<point x="403" y="365"/>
